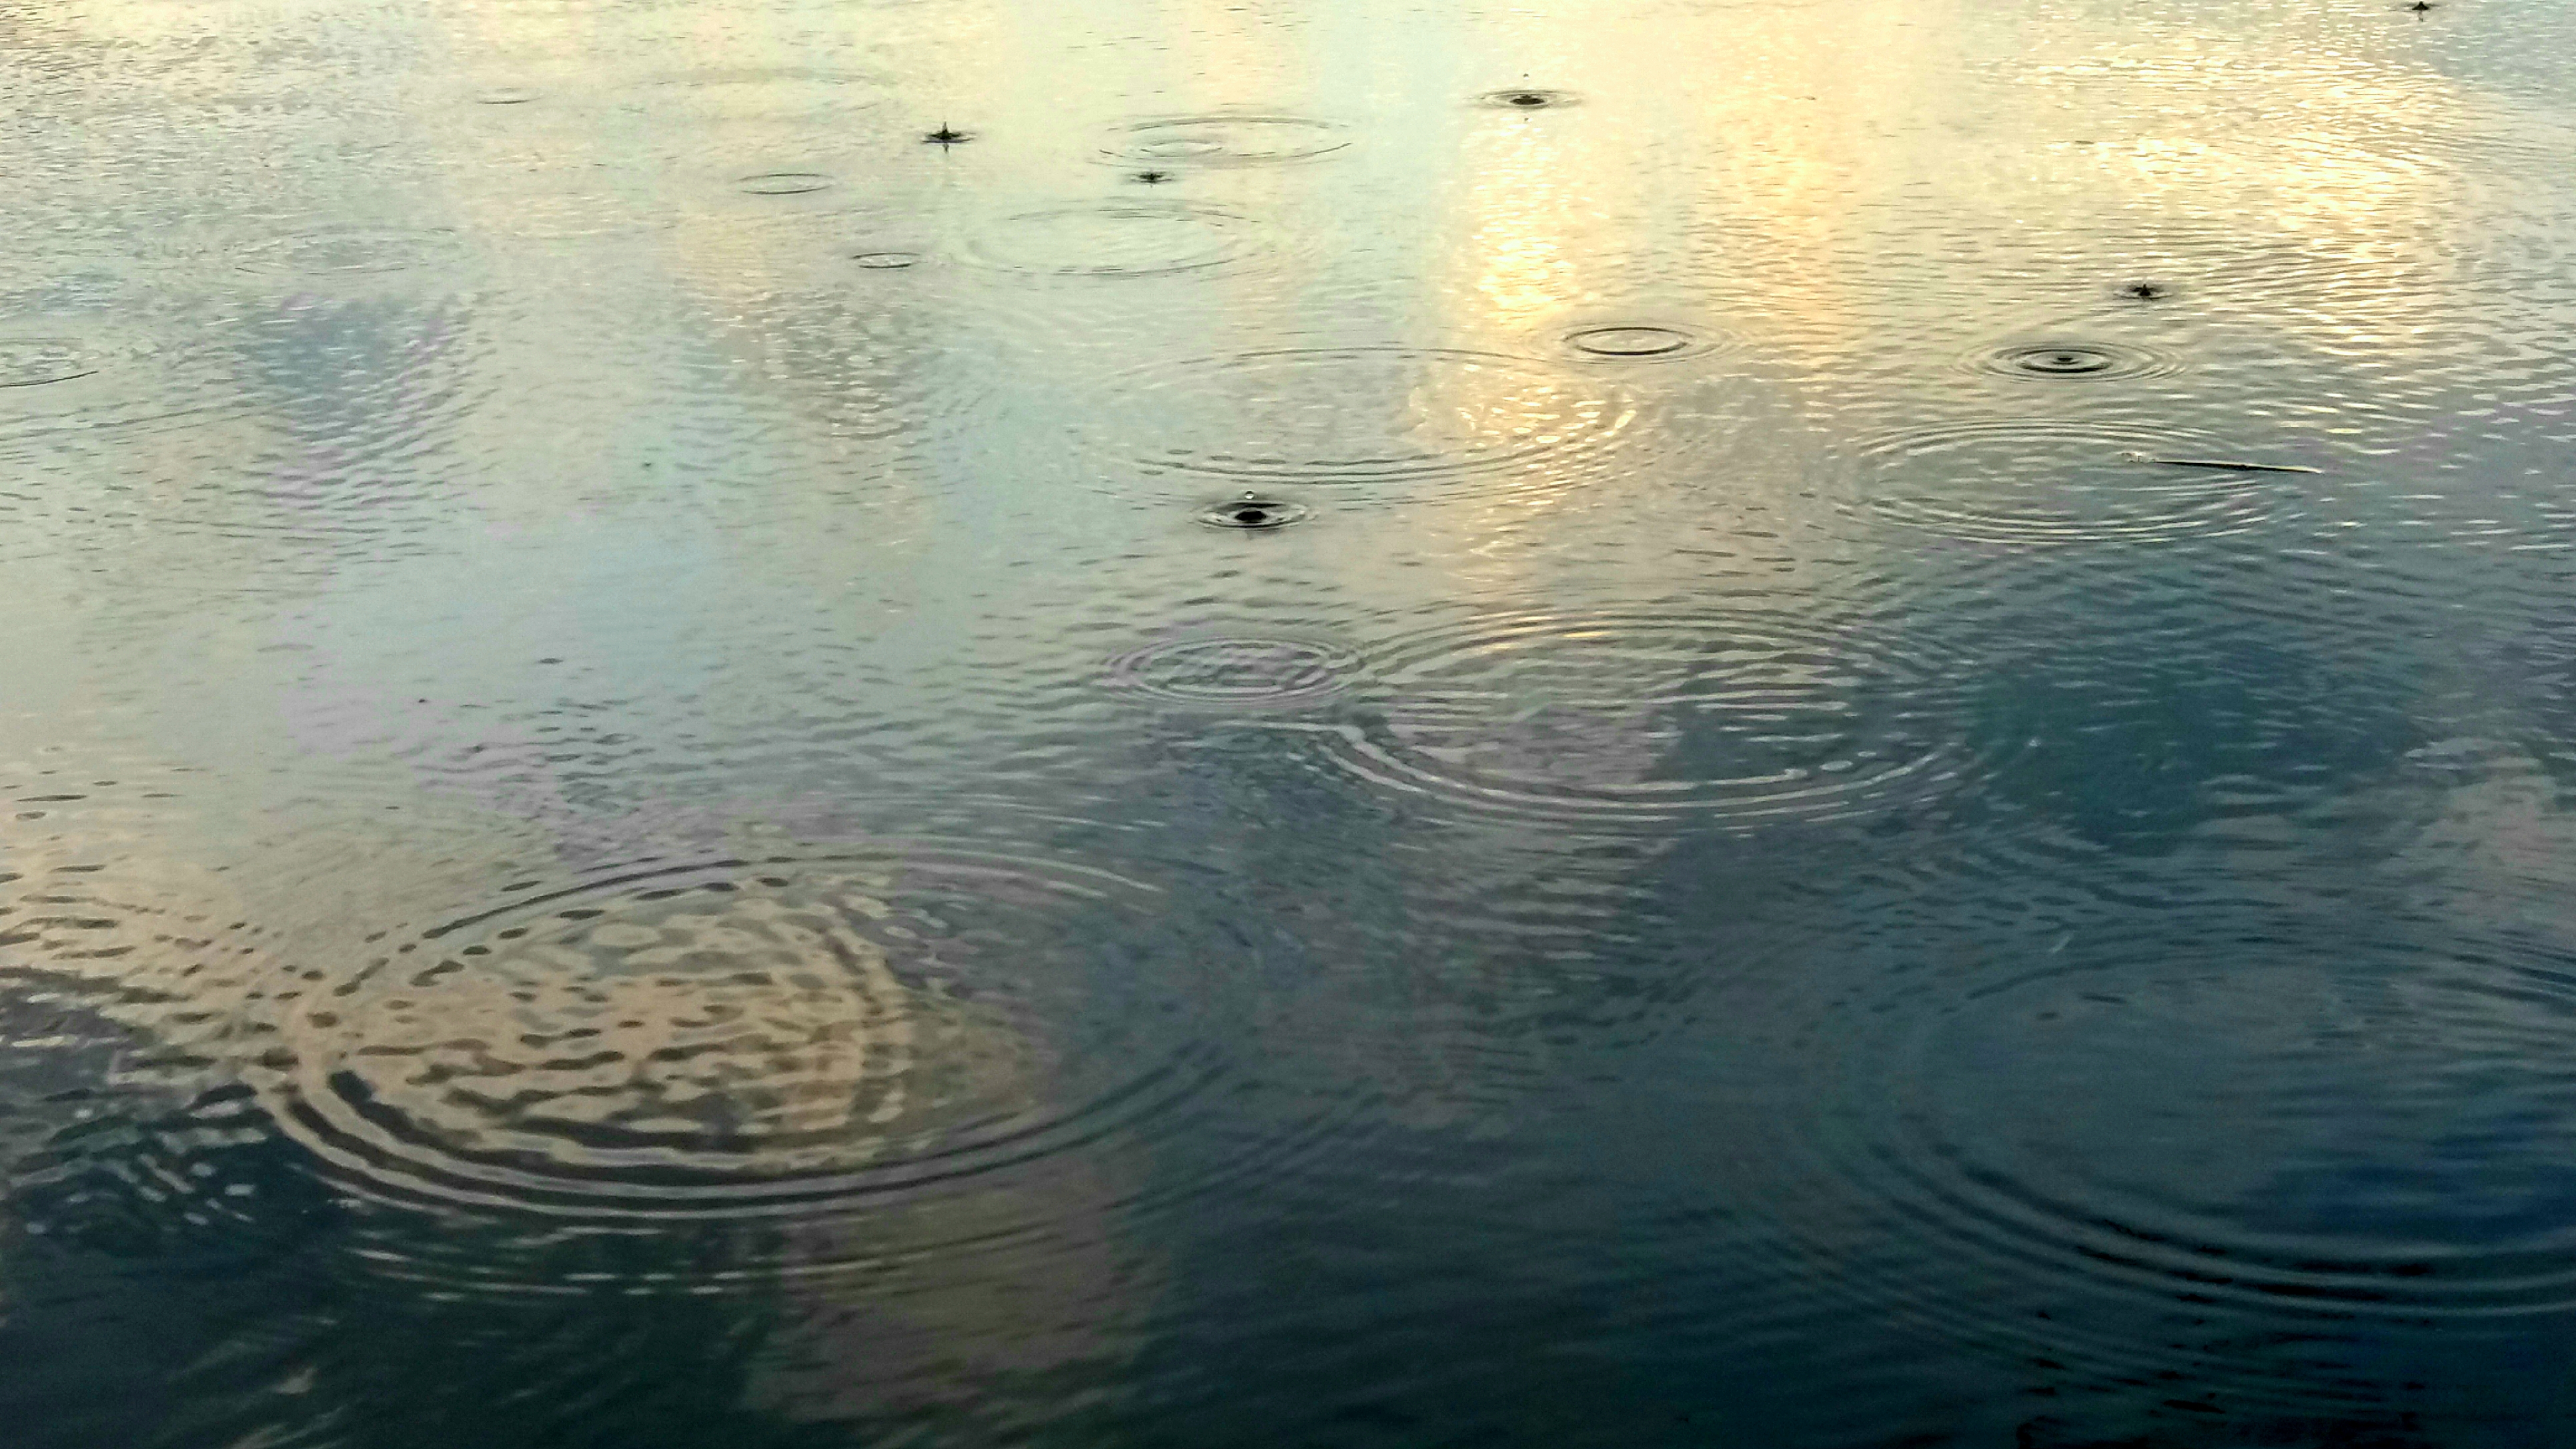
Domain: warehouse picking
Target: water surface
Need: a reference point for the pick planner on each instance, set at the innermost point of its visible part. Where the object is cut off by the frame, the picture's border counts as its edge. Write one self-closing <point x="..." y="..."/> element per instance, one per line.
<point x="789" y="724"/>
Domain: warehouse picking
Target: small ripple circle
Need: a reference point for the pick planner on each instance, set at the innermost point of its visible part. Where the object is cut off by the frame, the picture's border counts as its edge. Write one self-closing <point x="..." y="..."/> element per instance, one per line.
<point x="1228" y="140"/>
<point x="2073" y="358"/>
<point x="783" y="183"/>
<point x="1252" y="511"/>
<point x="1634" y="341"/>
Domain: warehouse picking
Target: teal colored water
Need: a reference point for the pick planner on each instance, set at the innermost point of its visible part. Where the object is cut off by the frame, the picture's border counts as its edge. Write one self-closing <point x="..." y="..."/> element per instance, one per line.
<point x="1662" y="722"/>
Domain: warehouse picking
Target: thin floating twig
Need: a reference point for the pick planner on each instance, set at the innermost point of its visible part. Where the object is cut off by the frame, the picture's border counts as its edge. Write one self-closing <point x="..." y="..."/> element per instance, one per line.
<point x="2229" y="465"/>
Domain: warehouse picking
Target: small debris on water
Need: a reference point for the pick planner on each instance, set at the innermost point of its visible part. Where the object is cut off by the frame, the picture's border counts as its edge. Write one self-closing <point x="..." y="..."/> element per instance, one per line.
<point x="2225" y="464"/>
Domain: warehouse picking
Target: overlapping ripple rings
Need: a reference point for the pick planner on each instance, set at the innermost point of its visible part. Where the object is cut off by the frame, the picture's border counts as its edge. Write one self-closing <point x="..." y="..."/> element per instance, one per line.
<point x="1643" y="718"/>
<point x="1226" y="672"/>
<point x="2256" y="1134"/>
<point x="2019" y="481"/>
<point x="789" y="1038"/>
<point x="1228" y="140"/>
<point x="1364" y="416"/>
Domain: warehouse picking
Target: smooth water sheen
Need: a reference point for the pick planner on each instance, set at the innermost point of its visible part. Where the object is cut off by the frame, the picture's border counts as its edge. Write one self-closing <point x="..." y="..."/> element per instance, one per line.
<point x="787" y="724"/>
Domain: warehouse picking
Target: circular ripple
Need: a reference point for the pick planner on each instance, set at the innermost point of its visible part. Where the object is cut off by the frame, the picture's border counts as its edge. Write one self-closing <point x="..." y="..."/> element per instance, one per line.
<point x="36" y="361"/>
<point x="783" y="183"/>
<point x="1225" y="673"/>
<point x="887" y="261"/>
<point x="505" y="96"/>
<point x="782" y="1037"/>
<point x="1629" y="341"/>
<point x="2022" y="482"/>
<point x="77" y="373"/>
<point x="1364" y="415"/>
<point x="1642" y="342"/>
<point x="354" y="251"/>
<point x="1527" y="98"/>
<point x="1229" y="140"/>
<point x="1254" y="512"/>
<point x="1728" y="715"/>
<point x="2068" y="357"/>
<point x="2226" y="1124"/>
<point x="1114" y="240"/>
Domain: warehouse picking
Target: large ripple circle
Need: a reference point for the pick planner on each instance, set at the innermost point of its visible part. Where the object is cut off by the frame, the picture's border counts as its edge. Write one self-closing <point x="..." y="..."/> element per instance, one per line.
<point x="2274" y="1140"/>
<point x="1729" y="715"/>
<point x="1360" y="415"/>
<point x="776" y="1038"/>
<point x="2042" y="482"/>
<point x="1113" y="239"/>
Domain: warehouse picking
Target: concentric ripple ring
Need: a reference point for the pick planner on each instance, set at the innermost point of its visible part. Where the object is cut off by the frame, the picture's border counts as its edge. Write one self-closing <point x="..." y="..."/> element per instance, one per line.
<point x="1225" y="672"/>
<point x="2066" y="357"/>
<point x="778" y="1037"/>
<point x="1644" y="718"/>
<point x="1122" y="239"/>
<point x="1229" y="140"/>
<point x="2019" y="482"/>
<point x="2207" y="1137"/>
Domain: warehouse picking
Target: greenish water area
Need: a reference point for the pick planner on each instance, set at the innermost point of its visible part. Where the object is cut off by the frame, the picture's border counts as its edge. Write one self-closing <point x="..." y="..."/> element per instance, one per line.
<point x="1839" y="723"/>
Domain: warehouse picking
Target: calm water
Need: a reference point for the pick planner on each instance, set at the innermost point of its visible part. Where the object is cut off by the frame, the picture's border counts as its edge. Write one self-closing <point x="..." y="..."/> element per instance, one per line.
<point x="655" y="796"/>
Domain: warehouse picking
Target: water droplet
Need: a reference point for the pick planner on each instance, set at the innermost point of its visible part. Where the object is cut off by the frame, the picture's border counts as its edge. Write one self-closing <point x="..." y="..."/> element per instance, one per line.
<point x="1528" y="98"/>
<point x="1251" y="511"/>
